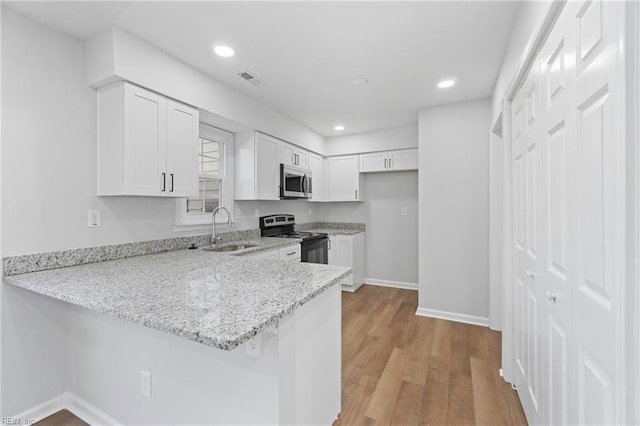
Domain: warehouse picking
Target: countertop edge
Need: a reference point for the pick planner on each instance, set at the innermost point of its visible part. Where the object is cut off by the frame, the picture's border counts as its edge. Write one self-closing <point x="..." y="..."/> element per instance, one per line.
<point x="223" y="344"/>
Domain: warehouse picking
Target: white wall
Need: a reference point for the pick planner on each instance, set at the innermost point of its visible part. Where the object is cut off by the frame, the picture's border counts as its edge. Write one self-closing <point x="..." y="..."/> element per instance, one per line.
<point x="49" y="151"/>
<point x="530" y="17"/>
<point x="381" y="140"/>
<point x="454" y="210"/>
<point x="34" y="349"/>
<point x="391" y="239"/>
<point x="244" y="211"/>
<point x="115" y="54"/>
<point x="106" y="355"/>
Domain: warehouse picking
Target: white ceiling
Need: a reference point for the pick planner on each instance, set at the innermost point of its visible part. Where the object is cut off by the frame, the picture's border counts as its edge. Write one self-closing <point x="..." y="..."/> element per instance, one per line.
<point x="308" y="53"/>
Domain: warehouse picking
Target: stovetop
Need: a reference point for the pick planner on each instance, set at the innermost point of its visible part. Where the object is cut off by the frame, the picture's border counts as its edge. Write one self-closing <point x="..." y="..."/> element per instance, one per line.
<point x="283" y="226"/>
<point x="300" y="234"/>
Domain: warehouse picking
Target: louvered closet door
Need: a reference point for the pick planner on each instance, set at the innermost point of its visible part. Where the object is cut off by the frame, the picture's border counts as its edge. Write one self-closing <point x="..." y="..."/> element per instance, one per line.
<point x="568" y="300"/>
<point x="526" y="244"/>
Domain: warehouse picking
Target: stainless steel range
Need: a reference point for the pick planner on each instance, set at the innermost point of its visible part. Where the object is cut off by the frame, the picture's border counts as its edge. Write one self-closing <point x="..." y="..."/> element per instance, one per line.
<point x="314" y="245"/>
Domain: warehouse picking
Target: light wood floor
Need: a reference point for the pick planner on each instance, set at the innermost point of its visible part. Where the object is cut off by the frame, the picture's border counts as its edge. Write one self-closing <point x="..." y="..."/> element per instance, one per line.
<point x="61" y="418"/>
<point x="402" y="369"/>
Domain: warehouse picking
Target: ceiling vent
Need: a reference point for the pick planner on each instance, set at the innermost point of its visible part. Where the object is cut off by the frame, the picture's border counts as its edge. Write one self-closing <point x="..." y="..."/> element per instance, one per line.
<point x="251" y="78"/>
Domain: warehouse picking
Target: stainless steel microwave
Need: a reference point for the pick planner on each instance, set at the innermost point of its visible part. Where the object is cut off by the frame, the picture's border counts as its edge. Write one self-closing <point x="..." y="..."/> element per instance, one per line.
<point x="294" y="182"/>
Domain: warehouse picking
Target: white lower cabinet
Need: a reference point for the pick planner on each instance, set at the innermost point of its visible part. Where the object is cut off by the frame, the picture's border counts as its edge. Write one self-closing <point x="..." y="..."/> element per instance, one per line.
<point x="270" y="254"/>
<point x="291" y="253"/>
<point x="348" y="250"/>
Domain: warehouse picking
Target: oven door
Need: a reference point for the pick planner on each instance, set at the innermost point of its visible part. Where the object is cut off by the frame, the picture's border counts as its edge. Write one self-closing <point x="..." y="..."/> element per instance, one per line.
<point x="294" y="182"/>
<point x="315" y="250"/>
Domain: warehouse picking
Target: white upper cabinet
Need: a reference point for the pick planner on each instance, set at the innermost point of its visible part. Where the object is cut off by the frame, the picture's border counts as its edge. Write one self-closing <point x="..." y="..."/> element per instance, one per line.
<point x="344" y="178"/>
<point x="292" y="155"/>
<point x="181" y="173"/>
<point x="257" y="167"/>
<point x="373" y="162"/>
<point x="318" y="165"/>
<point x="401" y="159"/>
<point x="147" y="144"/>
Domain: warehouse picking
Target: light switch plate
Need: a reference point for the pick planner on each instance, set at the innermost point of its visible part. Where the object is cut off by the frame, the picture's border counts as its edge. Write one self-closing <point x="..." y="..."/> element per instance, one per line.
<point x="404" y="211"/>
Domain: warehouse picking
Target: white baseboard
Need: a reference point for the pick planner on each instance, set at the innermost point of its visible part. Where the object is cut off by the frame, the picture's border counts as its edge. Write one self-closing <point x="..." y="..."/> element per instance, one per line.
<point x="351" y="288"/>
<point x="452" y="316"/>
<point x="71" y="402"/>
<point x="43" y="410"/>
<point x="87" y="412"/>
<point x="394" y="284"/>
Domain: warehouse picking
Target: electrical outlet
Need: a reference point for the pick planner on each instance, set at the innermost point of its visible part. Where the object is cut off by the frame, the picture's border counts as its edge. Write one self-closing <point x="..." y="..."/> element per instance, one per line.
<point x="95" y="219"/>
<point x="256" y="213"/>
<point x="254" y="346"/>
<point x="145" y="383"/>
<point x="310" y="211"/>
<point x="404" y="211"/>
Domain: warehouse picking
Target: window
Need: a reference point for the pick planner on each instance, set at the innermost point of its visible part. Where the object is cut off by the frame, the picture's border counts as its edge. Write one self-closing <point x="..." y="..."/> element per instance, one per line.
<point x="215" y="168"/>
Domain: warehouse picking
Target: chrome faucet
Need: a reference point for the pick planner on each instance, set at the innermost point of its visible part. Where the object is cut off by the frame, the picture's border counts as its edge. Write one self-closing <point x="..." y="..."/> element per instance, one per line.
<point x="216" y="239"/>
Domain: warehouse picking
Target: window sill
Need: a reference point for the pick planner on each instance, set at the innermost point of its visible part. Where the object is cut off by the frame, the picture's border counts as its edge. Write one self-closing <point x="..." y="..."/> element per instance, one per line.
<point x="203" y="226"/>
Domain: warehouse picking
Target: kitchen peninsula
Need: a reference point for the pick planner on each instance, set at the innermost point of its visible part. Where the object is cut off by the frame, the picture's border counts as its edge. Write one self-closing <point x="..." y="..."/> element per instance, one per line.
<point x="183" y="317"/>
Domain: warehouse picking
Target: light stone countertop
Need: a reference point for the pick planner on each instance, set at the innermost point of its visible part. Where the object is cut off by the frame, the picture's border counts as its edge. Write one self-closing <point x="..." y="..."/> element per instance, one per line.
<point x="261" y="244"/>
<point x="332" y="231"/>
<point x="211" y="298"/>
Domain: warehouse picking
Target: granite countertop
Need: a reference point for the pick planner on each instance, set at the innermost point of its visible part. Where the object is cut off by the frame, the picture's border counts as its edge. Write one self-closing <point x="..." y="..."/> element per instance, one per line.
<point x="211" y="298"/>
<point x="333" y="231"/>
<point x="261" y="244"/>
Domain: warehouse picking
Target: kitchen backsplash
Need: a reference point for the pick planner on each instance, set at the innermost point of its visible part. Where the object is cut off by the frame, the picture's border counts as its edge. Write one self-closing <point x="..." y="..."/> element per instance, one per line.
<point x="22" y="264"/>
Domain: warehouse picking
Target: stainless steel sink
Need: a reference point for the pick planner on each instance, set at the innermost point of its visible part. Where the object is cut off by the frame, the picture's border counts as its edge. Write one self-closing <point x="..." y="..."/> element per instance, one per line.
<point x="230" y="247"/>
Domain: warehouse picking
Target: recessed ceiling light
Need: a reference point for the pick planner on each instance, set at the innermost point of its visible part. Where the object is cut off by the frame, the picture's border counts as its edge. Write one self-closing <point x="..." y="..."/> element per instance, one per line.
<point x="224" y="51"/>
<point x="359" y="81"/>
<point x="338" y="127"/>
<point x="446" y="83"/>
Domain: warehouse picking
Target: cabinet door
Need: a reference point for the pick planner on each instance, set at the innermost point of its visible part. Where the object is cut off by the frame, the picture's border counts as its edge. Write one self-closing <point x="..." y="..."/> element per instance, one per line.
<point x="332" y="258"/>
<point x="403" y="159"/>
<point x="287" y="154"/>
<point x="302" y="158"/>
<point x="318" y="186"/>
<point x="373" y="162"/>
<point x="292" y="253"/>
<point x="342" y="246"/>
<point x="344" y="178"/>
<point x="145" y="126"/>
<point x="267" y="168"/>
<point x="271" y="254"/>
<point x="182" y="150"/>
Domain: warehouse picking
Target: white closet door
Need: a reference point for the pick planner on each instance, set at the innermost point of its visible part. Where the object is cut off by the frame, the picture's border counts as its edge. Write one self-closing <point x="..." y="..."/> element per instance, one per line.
<point x="569" y="222"/>
<point x="557" y="270"/>
<point x="526" y="247"/>
<point x="598" y="314"/>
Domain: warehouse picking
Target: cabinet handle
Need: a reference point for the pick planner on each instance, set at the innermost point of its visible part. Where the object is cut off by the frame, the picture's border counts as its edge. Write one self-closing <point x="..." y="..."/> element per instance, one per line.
<point x="329" y="244"/>
<point x="356" y="194"/>
<point x="290" y="253"/>
<point x="389" y="163"/>
<point x="297" y="159"/>
<point x="171" y="182"/>
<point x="385" y="163"/>
<point x="164" y="182"/>
<point x="530" y="274"/>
